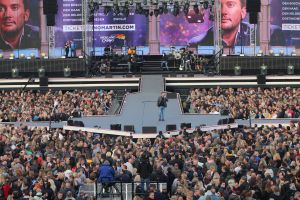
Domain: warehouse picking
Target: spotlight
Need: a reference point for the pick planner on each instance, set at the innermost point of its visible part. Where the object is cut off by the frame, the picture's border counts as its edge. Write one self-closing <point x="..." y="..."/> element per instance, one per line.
<point x="271" y="52"/>
<point x="156" y="12"/>
<point x="263" y="70"/>
<point x="107" y="9"/>
<point x="32" y="55"/>
<point x="186" y="8"/>
<point x="205" y="5"/>
<point x="237" y="70"/>
<point x="290" y="70"/>
<point x="44" y="56"/>
<point x="176" y="9"/>
<point x="211" y="17"/>
<point x="22" y="56"/>
<point x="138" y="9"/>
<point x="281" y="52"/>
<point x="126" y="11"/>
<point x="1" y="55"/>
<point x="91" y="18"/>
<point x="41" y="72"/>
<point x="12" y="56"/>
<point x="260" y="53"/>
<point x="116" y="9"/>
<point x="160" y="10"/>
<point x="14" y="72"/>
<point x="196" y="9"/>
<point x="146" y="12"/>
<point x="293" y="53"/>
<point x="67" y="71"/>
<point x="165" y="7"/>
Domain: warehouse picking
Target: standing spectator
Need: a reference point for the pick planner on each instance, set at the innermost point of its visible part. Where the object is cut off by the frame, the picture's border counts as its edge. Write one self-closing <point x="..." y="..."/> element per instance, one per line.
<point x="162" y="104"/>
<point x="145" y="169"/>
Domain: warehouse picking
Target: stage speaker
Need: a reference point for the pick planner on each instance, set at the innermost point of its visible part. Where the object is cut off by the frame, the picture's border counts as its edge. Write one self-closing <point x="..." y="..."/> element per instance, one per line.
<point x="253" y="6"/>
<point x="50" y="7"/>
<point x="78" y="123"/>
<point x="261" y="79"/>
<point x="70" y="123"/>
<point x="50" y="19"/>
<point x="129" y="128"/>
<point x="185" y="125"/>
<point x="190" y="75"/>
<point x="223" y="121"/>
<point x="149" y="129"/>
<point x="116" y="127"/>
<point x="230" y="120"/>
<point x="253" y="18"/>
<point x="171" y="127"/>
<point x="44" y="81"/>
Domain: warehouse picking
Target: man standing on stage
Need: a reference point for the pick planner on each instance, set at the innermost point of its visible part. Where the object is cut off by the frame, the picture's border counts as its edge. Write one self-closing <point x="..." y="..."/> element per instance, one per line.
<point x="162" y="104"/>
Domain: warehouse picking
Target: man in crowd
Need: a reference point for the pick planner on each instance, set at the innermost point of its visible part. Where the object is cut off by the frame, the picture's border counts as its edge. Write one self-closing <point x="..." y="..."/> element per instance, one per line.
<point x="15" y="33"/>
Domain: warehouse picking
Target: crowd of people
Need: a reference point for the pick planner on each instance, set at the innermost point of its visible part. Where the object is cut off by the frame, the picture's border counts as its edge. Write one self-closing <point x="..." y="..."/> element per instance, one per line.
<point x="242" y="103"/>
<point x="242" y="163"/>
<point x="20" y="106"/>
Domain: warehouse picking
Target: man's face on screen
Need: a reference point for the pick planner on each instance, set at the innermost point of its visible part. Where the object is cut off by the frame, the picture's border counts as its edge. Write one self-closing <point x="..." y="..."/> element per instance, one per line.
<point x="12" y="16"/>
<point x="232" y="14"/>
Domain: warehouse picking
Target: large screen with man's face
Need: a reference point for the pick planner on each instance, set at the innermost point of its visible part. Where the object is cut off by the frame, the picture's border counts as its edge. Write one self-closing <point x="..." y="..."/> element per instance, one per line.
<point x="184" y="30"/>
<point x="114" y="30"/>
<point x="19" y="24"/>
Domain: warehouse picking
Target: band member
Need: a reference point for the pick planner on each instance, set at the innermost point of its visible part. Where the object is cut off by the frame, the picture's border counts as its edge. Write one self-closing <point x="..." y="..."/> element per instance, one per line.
<point x="107" y="50"/>
<point x="67" y="48"/>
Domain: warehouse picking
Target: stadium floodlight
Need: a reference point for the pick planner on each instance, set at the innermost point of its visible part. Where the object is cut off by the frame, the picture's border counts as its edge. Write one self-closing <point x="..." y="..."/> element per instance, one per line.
<point x="12" y="56"/>
<point x="281" y="52"/>
<point x="260" y="53"/>
<point x="41" y="72"/>
<point x="263" y="70"/>
<point x="237" y="70"/>
<point x="293" y="53"/>
<point x="67" y="71"/>
<point x="14" y="72"/>
<point x="290" y="70"/>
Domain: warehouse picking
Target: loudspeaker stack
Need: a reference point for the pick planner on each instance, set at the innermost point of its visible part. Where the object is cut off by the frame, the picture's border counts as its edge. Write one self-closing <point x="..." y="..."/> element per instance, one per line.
<point x="50" y="9"/>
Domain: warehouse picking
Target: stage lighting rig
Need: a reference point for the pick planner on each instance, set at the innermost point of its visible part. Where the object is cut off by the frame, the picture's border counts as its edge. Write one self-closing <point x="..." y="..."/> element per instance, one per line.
<point x="160" y="10"/>
<point x="156" y="12"/>
<point x="186" y="8"/>
<point x="116" y="9"/>
<point x="107" y="9"/>
<point x="176" y="9"/>
<point x="165" y="7"/>
<point x="196" y="9"/>
<point x="205" y="5"/>
<point x="146" y="12"/>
